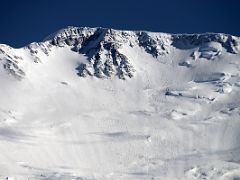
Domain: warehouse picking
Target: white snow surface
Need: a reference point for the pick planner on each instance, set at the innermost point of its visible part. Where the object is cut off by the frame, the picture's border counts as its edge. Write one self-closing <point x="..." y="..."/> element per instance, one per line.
<point x="104" y="104"/>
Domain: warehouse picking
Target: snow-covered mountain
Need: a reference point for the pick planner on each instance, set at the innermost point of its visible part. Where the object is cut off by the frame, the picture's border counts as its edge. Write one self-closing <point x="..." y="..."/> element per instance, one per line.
<point x="97" y="103"/>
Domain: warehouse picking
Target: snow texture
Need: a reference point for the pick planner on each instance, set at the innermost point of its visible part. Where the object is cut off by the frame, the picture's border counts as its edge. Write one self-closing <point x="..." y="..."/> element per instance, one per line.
<point x="105" y="104"/>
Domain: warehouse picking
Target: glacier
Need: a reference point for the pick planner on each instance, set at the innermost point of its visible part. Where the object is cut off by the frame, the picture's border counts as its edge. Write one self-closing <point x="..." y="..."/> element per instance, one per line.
<point x="99" y="103"/>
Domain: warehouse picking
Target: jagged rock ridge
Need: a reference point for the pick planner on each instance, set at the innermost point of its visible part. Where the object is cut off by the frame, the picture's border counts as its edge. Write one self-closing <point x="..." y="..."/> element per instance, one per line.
<point x="103" y="46"/>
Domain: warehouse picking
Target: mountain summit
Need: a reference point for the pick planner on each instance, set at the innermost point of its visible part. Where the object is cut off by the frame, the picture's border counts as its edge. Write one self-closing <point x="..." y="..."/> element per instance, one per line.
<point x="105" y="104"/>
<point x="104" y="48"/>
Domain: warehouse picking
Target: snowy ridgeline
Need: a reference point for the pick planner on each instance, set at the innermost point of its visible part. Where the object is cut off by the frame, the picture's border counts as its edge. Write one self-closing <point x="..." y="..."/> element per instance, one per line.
<point x="104" y="49"/>
<point x="104" y="104"/>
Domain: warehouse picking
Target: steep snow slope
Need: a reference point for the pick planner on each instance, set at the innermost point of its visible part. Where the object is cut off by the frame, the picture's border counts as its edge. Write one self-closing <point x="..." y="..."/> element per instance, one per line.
<point x="95" y="103"/>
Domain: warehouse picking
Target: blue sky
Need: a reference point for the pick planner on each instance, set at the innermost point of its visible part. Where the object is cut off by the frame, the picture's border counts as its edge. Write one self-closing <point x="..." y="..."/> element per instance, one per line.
<point x="25" y="21"/>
